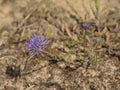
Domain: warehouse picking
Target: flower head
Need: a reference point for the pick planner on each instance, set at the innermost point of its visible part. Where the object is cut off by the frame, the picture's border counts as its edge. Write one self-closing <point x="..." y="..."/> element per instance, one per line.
<point x="87" y="24"/>
<point x="36" y="44"/>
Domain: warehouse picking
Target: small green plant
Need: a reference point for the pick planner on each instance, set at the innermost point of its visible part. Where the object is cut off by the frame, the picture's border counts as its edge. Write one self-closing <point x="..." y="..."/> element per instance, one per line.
<point x="35" y="45"/>
<point x="71" y="43"/>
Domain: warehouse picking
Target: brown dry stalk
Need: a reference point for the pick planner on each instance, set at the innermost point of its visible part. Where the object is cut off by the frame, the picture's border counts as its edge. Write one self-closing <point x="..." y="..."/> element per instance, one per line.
<point x="72" y="36"/>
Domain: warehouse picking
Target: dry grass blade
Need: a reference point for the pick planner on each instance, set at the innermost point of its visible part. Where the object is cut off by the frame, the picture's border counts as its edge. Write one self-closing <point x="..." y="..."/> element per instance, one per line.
<point x="24" y="20"/>
<point x="108" y="42"/>
<point x="72" y="8"/>
<point x="72" y="36"/>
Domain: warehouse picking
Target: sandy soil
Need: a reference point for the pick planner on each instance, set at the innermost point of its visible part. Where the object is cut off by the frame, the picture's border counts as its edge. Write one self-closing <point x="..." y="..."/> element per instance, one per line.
<point x="59" y="21"/>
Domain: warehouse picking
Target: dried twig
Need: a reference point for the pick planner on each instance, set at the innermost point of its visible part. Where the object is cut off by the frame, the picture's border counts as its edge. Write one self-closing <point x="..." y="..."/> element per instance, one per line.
<point x="23" y="21"/>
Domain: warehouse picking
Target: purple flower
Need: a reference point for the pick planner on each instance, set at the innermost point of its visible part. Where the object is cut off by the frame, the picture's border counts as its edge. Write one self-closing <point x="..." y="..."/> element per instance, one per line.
<point x="87" y="24"/>
<point x="36" y="44"/>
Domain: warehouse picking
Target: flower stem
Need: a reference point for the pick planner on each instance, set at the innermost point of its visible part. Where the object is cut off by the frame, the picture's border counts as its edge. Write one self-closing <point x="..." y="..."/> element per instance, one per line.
<point x="48" y="54"/>
<point x="28" y="59"/>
